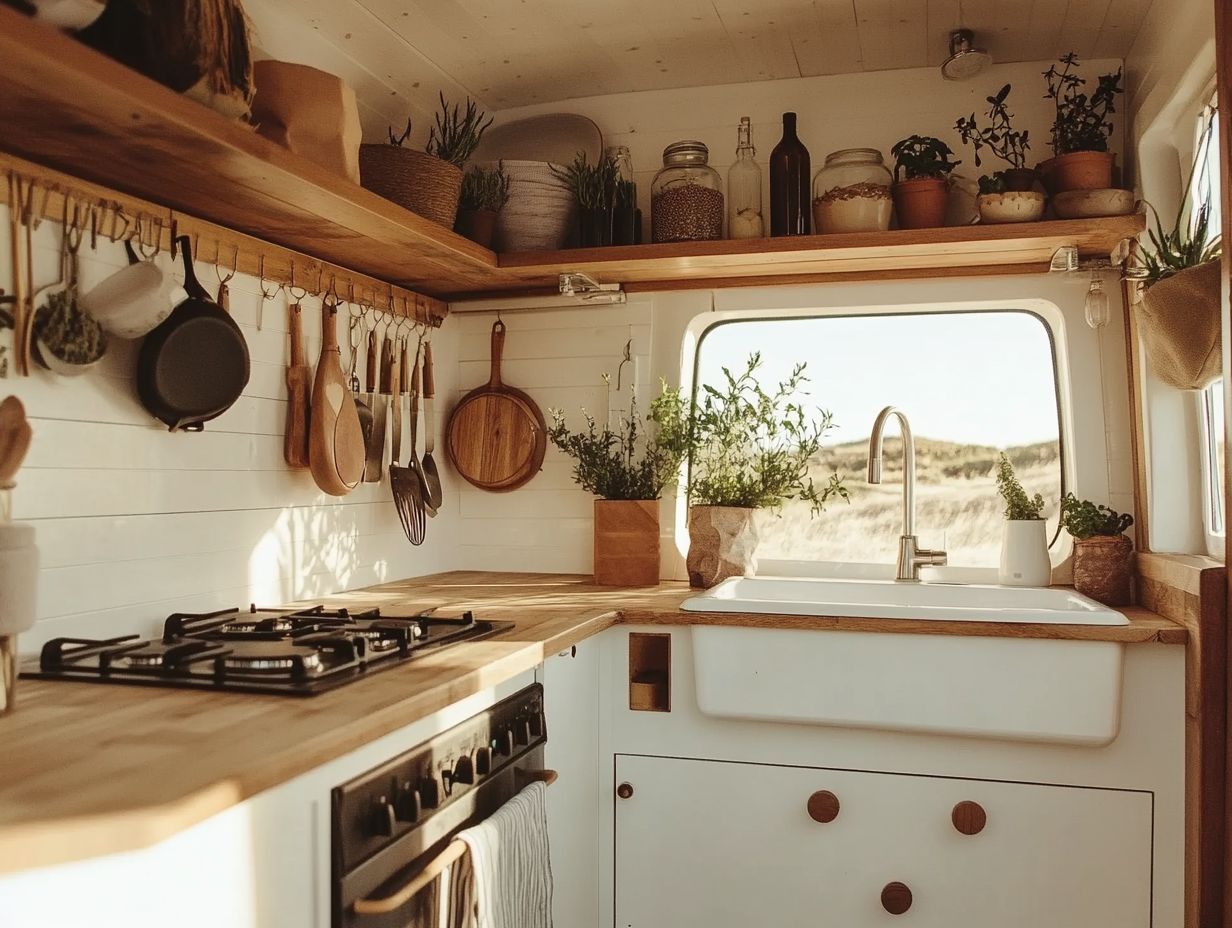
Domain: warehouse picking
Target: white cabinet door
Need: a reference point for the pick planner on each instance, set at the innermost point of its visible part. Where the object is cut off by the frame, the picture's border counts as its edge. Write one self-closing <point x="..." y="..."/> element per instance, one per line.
<point x="732" y="845"/>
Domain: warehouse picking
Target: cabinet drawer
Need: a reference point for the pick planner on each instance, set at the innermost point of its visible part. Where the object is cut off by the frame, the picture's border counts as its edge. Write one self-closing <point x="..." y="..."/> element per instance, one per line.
<point x="729" y="845"/>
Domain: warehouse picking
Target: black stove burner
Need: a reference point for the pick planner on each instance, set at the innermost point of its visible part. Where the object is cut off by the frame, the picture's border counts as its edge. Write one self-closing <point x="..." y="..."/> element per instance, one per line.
<point x="259" y="650"/>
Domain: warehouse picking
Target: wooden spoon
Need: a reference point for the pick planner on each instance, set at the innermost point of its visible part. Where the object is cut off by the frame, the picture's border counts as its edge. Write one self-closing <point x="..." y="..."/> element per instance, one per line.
<point x="15" y="435"/>
<point x="335" y="439"/>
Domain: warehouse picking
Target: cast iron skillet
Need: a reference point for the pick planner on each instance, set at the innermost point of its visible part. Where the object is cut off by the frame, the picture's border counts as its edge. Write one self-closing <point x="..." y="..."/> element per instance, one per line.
<point x="194" y="365"/>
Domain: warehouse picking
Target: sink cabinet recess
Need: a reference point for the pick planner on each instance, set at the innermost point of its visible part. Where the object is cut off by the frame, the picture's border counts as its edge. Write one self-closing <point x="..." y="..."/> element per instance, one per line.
<point x="728" y="845"/>
<point x="650" y="672"/>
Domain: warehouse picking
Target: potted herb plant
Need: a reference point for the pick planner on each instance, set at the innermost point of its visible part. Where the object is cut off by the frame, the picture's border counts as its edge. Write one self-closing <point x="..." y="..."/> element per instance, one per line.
<point x="1080" y="129"/>
<point x="1006" y="195"/>
<point x="596" y="187"/>
<point x="485" y="191"/>
<point x="922" y="169"/>
<point x="1103" y="554"/>
<point x="750" y="449"/>
<point x="627" y="469"/>
<point x="1024" y="545"/>
<point x="69" y="341"/>
<point x="1180" y="312"/>
<point x="429" y="182"/>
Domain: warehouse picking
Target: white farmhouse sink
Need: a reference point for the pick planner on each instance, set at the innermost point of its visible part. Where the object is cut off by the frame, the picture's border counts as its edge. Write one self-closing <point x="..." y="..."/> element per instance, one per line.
<point x="886" y="599"/>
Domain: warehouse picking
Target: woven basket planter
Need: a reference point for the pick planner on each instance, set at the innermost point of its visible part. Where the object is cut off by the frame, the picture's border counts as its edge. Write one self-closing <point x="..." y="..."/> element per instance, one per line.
<point x="1182" y="326"/>
<point x="417" y="181"/>
<point x="1103" y="568"/>
<point x="541" y="210"/>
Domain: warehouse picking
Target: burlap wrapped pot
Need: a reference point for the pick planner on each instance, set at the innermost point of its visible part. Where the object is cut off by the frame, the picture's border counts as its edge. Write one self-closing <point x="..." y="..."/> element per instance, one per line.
<point x="1103" y="568"/>
<point x="722" y="543"/>
<point x="1180" y="321"/>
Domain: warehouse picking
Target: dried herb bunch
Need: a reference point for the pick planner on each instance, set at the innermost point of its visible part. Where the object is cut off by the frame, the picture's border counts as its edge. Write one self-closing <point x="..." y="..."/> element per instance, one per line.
<point x="920" y="156"/>
<point x="999" y="136"/>
<point x="753" y="448"/>
<point x="1084" y="519"/>
<point x="1083" y="122"/>
<point x="457" y="133"/>
<point x="485" y="188"/>
<point x="1018" y="506"/>
<point x="69" y="333"/>
<point x="595" y="186"/>
<point x="1191" y="240"/>
<point x="634" y="461"/>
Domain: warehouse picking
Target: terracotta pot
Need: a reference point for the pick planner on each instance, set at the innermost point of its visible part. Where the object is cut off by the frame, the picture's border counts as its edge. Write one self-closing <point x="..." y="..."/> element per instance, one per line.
<point x="627" y="542"/>
<point x="921" y="203"/>
<point x="1103" y="568"/>
<point x="722" y="543"/>
<point x="1019" y="180"/>
<point x="479" y="225"/>
<point x="1181" y="327"/>
<point x="1079" y="170"/>
<point x="1011" y="206"/>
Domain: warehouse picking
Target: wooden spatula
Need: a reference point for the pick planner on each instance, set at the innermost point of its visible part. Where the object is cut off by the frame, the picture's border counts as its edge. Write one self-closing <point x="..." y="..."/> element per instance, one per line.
<point x="299" y="386"/>
<point x="15" y="435"/>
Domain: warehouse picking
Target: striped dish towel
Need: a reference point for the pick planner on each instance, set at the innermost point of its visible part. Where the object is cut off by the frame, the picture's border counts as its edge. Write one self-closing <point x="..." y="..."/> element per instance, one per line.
<point x="509" y="883"/>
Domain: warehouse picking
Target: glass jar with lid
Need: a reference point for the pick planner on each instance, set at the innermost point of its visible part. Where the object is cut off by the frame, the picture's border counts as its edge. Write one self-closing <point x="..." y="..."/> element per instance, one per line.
<point x="686" y="196"/>
<point x="851" y="193"/>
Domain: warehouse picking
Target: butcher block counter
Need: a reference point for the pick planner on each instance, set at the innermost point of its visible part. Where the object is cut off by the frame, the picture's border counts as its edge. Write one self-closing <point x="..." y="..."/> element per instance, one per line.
<point x="88" y="769"/>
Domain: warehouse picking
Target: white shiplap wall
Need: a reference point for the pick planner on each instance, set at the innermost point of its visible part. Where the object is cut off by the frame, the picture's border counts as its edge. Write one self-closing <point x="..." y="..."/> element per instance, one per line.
<point x="134" y="522"/>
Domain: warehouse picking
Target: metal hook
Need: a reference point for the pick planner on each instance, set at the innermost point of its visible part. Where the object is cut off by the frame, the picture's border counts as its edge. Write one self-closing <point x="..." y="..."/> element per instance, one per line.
<point x="302" y="294"/>
<point x="628" y="359"/>
<point x="235" y="260"/>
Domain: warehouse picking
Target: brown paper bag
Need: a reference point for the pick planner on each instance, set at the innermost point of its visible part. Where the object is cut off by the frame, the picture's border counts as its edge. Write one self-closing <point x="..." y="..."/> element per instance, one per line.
<point x="311" y="112"/>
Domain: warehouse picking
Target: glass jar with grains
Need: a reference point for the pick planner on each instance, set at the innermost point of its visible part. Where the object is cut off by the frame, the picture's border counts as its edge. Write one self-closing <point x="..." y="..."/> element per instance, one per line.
<point x="851" y="193"/>
<point x="686" y="196"/>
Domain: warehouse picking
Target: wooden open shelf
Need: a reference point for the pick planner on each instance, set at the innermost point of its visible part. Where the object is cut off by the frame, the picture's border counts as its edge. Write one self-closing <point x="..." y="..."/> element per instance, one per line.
<point x="66" y="106"/>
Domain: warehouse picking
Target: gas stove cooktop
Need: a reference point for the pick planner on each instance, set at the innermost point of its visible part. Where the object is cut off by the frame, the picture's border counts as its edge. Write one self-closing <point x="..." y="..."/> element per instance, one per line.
<point x="297" y="653"/>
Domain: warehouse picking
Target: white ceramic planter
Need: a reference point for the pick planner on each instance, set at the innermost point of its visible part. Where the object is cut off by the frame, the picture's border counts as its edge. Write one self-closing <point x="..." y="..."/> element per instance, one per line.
<point x="1024" y="554"/>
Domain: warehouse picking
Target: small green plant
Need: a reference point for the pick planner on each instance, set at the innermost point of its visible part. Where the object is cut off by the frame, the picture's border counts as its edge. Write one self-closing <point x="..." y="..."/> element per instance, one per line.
<point x="999" y="136"/>
<point x="993" y="183"/>
<point x="1084" y="519"/>
<point x="920" y="156"/>
<point x="1018" y="506"/>
<point x="1189" y="242"/>
<point x="634" y="461"/>
<point x="485" y="188"/>
<point x="751" y="448"/>
<point x="595" y="186"/>
<point x="69" y="333"/>
<point x="456" y="134"/>
<point x="1083" y="122"/>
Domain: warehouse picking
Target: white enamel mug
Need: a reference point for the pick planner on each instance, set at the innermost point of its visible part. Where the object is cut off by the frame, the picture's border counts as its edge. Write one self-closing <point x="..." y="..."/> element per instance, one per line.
<point x="134" y="300"/>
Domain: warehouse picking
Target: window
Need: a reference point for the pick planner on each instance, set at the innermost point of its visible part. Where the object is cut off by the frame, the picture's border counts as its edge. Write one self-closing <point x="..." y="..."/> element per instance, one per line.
<point x="971" y="384"/>
<point x="1206" y="193"/>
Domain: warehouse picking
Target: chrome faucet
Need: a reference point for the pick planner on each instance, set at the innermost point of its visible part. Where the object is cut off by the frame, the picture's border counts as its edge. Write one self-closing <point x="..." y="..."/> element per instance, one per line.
<point x="911" y="557"/>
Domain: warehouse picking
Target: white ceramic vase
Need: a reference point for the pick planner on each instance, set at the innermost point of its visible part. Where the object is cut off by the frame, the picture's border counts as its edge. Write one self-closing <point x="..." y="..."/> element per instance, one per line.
<point x="18" y="582"/>
<point x="1024" y="554"/>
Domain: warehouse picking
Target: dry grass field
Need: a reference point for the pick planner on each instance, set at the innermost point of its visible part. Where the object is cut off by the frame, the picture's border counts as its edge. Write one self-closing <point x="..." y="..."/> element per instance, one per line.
<point x="957" y="506"/>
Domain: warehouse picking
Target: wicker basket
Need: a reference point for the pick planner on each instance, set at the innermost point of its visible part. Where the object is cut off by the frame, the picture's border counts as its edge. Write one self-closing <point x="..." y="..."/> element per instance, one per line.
<point x="541" y="210"/>
<point x="420" y="182"/>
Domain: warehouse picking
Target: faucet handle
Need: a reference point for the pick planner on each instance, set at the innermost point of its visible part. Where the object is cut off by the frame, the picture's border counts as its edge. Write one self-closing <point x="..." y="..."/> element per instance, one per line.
<point x="931" y="557"/>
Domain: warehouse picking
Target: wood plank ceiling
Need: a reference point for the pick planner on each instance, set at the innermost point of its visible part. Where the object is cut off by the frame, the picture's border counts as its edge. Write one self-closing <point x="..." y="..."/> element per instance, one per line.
<point x="510" y="53"/>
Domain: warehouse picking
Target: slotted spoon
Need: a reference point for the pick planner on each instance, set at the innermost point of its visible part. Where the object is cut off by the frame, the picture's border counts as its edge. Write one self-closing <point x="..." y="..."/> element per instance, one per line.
<point x="407" y="490"/>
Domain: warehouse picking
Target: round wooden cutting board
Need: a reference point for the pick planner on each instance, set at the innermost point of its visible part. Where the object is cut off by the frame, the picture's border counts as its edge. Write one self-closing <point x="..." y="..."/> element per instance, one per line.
<point x="497" y="436"/>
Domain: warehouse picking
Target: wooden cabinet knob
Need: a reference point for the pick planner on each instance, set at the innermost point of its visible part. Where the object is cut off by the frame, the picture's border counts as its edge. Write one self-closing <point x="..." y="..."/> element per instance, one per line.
<point x="896" y="898"/>
<point x="625" y="791"/>
<point x="969" y="818"/>
<point x="823" y="806"/>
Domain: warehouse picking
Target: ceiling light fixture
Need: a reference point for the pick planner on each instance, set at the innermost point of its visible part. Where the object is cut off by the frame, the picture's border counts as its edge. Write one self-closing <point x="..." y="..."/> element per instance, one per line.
<point x="965" y="61"/>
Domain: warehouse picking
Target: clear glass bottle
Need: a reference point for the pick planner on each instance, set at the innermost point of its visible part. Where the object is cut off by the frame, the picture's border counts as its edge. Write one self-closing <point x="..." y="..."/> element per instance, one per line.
<point x="744" y="211"/>
<point x="851" y="193"/>
<point x="626" y="217"/>
<point x="686" y="196"/>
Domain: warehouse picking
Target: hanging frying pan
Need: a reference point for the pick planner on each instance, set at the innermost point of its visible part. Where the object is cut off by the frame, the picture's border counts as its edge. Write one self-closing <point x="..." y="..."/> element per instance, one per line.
<point x="496" y="434"/>
<point x="194" y="365"/>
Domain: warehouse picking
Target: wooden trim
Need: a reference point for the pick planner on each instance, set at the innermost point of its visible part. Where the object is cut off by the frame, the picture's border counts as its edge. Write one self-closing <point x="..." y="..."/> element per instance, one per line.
<point x="1137" y="420"/>
<point x="1220" y="870"/>
<point x="228" y="248"/>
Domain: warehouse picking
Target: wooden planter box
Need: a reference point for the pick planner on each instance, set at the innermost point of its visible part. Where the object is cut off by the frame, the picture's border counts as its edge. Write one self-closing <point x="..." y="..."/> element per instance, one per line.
<point x="627" y="542"/>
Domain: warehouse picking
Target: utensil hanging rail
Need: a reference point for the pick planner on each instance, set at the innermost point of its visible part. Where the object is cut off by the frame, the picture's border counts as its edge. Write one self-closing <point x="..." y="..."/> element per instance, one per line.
<point x="230" y="250"/>
<point x="431" y="872"/>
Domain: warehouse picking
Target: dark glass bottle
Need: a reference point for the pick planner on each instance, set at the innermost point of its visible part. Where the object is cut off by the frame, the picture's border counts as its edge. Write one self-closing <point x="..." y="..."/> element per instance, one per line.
<point x="790" y="182"/>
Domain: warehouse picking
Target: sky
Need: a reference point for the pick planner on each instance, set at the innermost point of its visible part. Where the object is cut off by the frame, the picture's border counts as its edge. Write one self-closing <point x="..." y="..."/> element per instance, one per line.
<point x="975" y="378"/>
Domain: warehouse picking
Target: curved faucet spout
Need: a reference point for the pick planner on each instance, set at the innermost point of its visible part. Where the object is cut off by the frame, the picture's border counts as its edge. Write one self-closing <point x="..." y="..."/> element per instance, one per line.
<point x="875" y="456"/>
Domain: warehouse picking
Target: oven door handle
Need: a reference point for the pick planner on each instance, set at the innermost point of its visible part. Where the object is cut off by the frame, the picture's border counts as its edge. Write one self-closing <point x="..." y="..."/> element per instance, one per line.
<point x="454" y="851"/>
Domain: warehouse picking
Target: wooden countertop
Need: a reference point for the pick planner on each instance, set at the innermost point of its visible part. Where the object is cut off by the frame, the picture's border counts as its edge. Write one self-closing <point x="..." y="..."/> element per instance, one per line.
<point x="90" y="770"/>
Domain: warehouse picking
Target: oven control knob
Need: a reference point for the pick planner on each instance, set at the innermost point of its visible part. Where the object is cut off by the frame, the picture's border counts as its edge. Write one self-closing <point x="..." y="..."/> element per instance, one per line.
<point x="384" y="818"/>
<point x="504" y="742"/>
<point x="430" y="792"/>
<point x="483" y="761"/>
<point x="407" y="805"/>
<point x="464" y="770"/>
<point x="522" y="732"/>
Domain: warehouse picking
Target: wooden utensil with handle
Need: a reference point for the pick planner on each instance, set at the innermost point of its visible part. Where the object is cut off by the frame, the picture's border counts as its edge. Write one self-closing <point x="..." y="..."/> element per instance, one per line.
<point x="376" y="402"/>
<point x="407" y="490"/>
<point x="335" y="439"/>
<point x="497" y="436"/>
<point x="299" y="388"/>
